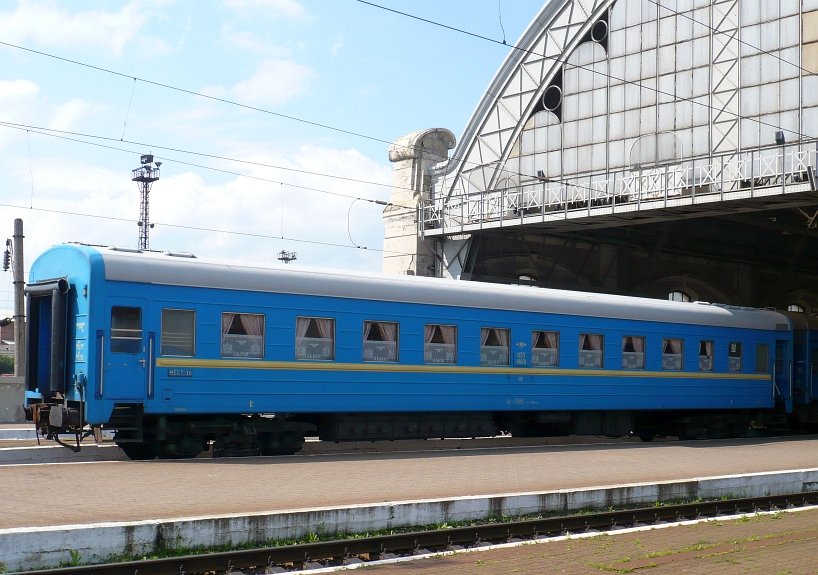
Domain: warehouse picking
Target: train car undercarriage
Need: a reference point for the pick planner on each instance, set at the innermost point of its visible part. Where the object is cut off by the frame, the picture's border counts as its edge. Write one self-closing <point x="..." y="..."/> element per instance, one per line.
<point x="144" y="436"/>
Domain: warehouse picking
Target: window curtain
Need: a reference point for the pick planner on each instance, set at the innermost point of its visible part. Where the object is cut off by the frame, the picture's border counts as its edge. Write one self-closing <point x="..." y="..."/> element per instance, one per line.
<point x="325" y="327"/>
<point x="638" y="344"/>
<point x="484" y="335"/>
<point x="673" y="346"/>
<point x="706" y="349"/>
<point x="389" y="331"/>
<point x="429" y="333"/>
<point x="227" y="321"/>
<point x="302" y="324"/>
<point x="591" y="342"/>
<point x="551" y="339"/>
<point x="502" y="337"/>
<point x="447" y="331"/>
<point x="368" y="329"/>
<point x="253" y="324"/>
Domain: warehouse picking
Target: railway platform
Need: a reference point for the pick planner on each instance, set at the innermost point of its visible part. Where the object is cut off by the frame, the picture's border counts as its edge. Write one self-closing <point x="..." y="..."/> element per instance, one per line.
<point x="114" y="507"/>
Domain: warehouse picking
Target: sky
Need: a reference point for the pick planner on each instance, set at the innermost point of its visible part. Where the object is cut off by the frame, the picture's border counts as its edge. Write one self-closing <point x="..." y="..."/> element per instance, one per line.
<point x="272" y="118"/>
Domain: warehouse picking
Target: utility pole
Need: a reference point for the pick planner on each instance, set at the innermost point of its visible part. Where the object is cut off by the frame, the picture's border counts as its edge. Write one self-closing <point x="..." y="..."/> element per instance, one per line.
<point x="19" y="300"/>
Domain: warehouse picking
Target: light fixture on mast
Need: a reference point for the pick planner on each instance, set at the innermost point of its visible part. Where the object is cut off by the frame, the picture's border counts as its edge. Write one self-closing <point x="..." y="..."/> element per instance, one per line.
<point x="286" y="256"/>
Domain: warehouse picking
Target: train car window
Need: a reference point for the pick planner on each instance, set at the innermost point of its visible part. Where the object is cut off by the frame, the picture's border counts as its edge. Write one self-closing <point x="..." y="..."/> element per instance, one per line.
<point x="126" y="329"/>
<point x="178" y="332"/>
<point x="493" y="346"/>
<point x="242" y="335"/>
<point x="545" y="348"/>
<point x="590" y="349"/>
<point x="633" y="352"/>
<point x="705" y="355"/>
<point x="762" y="358"/>
<point x="734" y="356"/>
<point x="315" y="338"/>
<point x="672" y="354"/>
<point x="440" y="343"/>
<point x="380" y="341"/>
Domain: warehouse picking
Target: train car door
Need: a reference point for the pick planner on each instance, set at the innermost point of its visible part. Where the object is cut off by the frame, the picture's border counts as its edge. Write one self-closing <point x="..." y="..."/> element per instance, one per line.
<point x="783" y="374"/>
<point x="124" y="368"/>
<point x="812" y="384"/>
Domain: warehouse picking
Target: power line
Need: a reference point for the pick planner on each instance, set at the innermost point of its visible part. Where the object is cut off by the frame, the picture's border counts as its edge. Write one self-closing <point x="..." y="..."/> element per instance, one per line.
<point x="202" y="95"/>
<point x="59" y="134"/>
<point x="194" y="93"/>
<point x="48" y="131"/>
<point x="201" y="229"/>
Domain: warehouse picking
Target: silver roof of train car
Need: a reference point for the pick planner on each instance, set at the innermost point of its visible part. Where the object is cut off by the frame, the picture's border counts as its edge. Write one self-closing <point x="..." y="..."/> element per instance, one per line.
<point x="169" y="269"/>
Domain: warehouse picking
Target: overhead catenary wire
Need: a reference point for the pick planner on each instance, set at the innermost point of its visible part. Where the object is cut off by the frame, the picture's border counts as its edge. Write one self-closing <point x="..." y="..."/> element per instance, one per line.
<point x="51" y="131"/>
<point x="128" y="111"/>
<point x="500" y="17"/>
<point x="61" y="134"/>
<point x="31" y="207"/>
<point x="200" y="228"/>
<point x="349" y="226"/>
<point x="30" y="167"/>
<point x="193" y="92"/>
<point x="202" y="95"/>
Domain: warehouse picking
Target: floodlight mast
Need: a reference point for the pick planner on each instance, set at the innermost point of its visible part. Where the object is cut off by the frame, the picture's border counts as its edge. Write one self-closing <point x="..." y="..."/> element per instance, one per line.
<point x="144" y="176"/>
<point x="286" y="256"/>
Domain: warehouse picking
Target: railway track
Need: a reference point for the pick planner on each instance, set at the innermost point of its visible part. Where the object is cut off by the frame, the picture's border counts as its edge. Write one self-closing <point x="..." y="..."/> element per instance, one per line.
<point x="340" y="552"/>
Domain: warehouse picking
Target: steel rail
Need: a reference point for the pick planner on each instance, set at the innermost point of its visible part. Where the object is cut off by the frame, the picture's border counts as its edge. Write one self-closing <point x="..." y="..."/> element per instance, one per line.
<point x="334" y="552"/>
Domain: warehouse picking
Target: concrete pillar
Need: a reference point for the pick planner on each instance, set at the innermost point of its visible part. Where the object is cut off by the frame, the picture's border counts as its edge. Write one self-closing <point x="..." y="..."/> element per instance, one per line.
<point x="413" y="157"/>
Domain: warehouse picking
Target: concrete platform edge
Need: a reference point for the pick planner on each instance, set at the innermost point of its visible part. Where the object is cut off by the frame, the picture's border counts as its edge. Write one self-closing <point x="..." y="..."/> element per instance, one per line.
<point x="41" y="547"/>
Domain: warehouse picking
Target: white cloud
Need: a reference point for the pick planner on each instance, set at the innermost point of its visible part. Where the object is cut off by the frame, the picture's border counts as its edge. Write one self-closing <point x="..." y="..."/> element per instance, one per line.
<point x="261" y="212"/>
<point x="289" y="8"/>
<point x="266" y="211"/>
<point x="50" y="23"/>
<point x="336" y="45"/>
<point x="275" y="82"/>
<point x="18" y="99"/>
<point x="17" y="89"/>
<point x="180" y="41"/>
<point x="67" y="115"/>
<point x="250" y="42"/>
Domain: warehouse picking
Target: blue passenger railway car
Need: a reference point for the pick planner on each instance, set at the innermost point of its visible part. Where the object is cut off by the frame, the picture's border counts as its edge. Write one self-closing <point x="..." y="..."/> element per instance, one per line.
<point x="174" y="353"/>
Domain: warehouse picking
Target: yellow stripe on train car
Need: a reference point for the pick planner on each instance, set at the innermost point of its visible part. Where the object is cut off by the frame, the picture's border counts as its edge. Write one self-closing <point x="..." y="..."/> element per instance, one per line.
<point x="444" y="369"/>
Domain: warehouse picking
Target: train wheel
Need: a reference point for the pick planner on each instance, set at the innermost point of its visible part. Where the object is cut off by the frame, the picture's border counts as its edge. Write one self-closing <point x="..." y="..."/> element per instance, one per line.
<point x="286" y="443"/>
<point x="181" y="447"/>
<point x="138" y="451"/>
